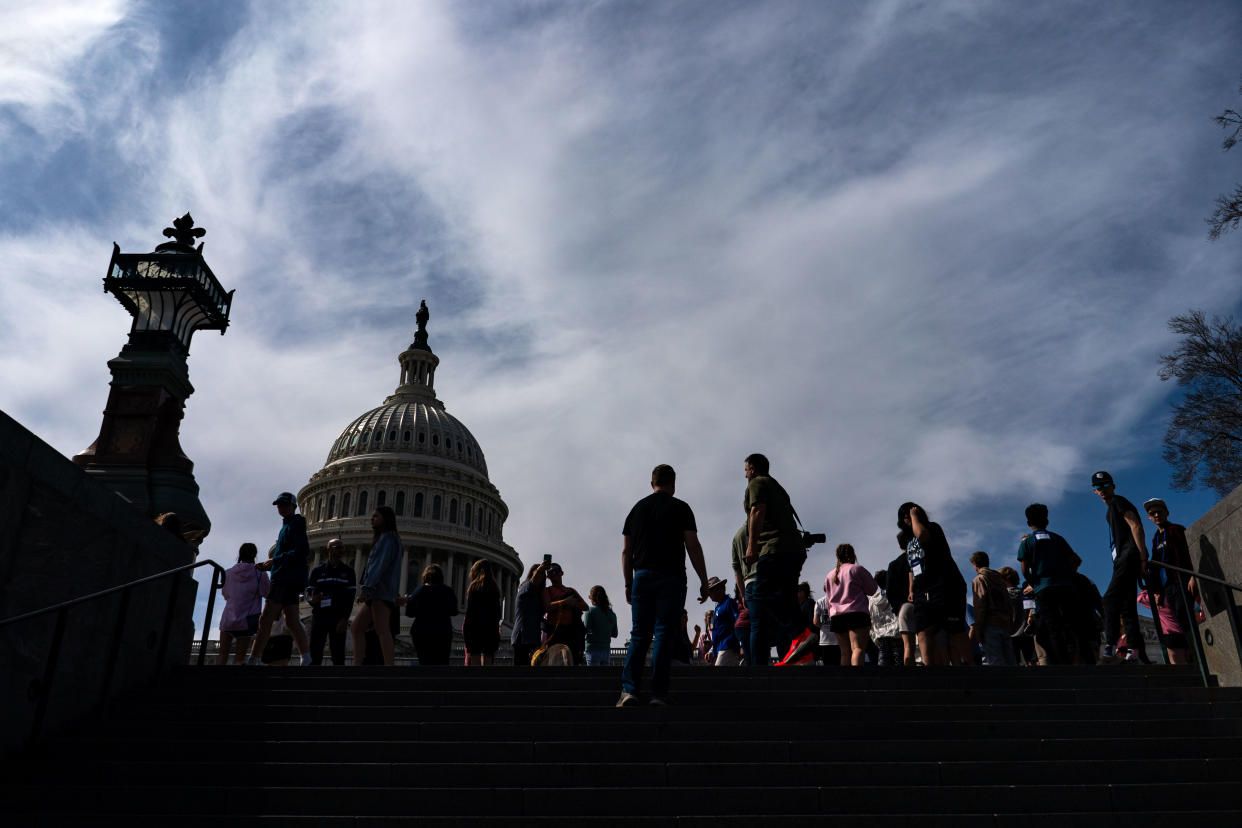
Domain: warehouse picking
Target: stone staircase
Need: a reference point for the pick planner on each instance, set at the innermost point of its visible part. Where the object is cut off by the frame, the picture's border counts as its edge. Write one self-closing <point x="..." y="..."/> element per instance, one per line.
<point x="1057" y="747"/>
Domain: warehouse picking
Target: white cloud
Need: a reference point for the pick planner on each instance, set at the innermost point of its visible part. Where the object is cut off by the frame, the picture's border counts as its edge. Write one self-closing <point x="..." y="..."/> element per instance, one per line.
<point x="650" y="239"/>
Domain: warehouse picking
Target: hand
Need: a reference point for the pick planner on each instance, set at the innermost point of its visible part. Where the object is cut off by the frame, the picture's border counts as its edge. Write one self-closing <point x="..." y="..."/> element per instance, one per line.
<point x="1028" y="590"/>
<point x="974" y="633"/>
<point x="627" y="593"/>
<point x="402" y="600"/>
<point x="703" y="592"/>
<point x="362" y="599"/>
<point x="750" y="557"/>
<point x="910" y="597"/>
<point x="342" y="625"/>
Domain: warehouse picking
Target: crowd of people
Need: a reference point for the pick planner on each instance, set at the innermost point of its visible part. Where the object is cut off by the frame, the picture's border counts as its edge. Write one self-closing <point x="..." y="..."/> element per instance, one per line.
<point x="915" y="610"/>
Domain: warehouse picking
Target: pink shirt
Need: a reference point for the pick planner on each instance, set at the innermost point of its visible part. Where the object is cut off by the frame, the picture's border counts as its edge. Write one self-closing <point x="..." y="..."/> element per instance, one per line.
<point x="850" y="593"/>
<point x="244" y="588"/>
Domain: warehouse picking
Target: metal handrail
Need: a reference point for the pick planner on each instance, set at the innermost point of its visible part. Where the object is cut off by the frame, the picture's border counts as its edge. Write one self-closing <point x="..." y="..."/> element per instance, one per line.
<point x="62" y="614"/>
<point x="1192" y="626"/>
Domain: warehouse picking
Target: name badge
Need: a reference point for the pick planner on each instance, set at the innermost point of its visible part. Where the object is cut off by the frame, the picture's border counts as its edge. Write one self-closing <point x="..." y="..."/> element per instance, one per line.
<point x="1114" y="553"/>
<point x="917" y="569"/>
<point x="1028" y="604"/>
<point x="325" y="602"/>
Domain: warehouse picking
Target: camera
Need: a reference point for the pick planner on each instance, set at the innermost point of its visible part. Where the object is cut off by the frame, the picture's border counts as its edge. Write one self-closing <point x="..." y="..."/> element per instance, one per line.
<point x="809" y="539"/>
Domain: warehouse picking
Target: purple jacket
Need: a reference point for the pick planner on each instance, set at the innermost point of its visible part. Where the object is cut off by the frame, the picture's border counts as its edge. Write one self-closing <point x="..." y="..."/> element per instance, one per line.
<point x="243" y="591"/>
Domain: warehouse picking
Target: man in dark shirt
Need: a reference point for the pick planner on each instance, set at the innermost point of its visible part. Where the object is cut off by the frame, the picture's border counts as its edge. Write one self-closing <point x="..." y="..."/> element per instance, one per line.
<point x="289" y="576"/>
<point x="1128" y="547"/>
<point x="1048" y="565"/>
<point x="1171" y="588"/>
<point x="774" y="546"/>
<point x="658" y="534"/>
<point x="330" y="593"/>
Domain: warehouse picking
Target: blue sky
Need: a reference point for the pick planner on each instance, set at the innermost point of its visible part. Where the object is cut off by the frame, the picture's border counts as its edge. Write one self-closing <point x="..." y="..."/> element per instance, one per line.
<point x="909" y="251"/>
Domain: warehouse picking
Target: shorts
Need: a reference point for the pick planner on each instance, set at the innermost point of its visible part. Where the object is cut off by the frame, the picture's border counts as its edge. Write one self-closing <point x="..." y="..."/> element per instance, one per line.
<point x="848" y="622"/>
<point x="905" y="618"/>
<point x="1175" y="641"/>
<point x="934" y="617"/>
<point x="286" y="594"/>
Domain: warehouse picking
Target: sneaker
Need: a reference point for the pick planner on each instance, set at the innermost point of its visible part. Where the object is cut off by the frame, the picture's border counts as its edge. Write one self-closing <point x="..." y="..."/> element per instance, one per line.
<point x="306" y="659"/>
<point x="801" y="651"/>
<point x="1108" y="655"/>
<point x="251" y="661"/>
<point x="627" y="700"/>
<point x="656" y="701"/>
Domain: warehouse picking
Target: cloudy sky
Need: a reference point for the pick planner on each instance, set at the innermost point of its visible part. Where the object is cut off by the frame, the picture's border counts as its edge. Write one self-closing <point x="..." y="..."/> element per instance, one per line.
<point x="909" y="251"/>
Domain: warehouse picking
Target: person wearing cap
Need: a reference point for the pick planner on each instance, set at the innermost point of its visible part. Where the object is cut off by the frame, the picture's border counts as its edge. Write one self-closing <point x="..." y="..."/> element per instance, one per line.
<point x="724" y="651"/>
<point x="1128" y="547"/>
<point x="658" y="534"/>
<point x="1171" y="589"/>
<point x="287" y="566"/>
<point x="330" y="592"/>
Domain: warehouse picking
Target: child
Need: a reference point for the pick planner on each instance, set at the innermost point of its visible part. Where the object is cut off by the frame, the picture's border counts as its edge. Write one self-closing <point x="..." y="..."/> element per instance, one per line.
<point x="601" y="628"/>
<point x="848" y="586"/>
<point x="724" y="651"/>
<point x="244" y="589"/>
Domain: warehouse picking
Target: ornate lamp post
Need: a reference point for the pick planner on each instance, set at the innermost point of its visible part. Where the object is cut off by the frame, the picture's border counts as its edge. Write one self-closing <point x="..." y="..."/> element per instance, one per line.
<point x="171" y="293"/>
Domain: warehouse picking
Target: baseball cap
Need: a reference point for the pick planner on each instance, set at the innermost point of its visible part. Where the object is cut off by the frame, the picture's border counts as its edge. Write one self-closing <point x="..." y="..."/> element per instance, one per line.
<point x="1101" y="479"/>
<point x="285" y="497"/>
<point x="1154" y="501"/>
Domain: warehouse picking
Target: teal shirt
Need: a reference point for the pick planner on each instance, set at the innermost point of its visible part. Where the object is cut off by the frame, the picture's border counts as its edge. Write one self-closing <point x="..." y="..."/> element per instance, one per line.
<point x="601" y="627"/>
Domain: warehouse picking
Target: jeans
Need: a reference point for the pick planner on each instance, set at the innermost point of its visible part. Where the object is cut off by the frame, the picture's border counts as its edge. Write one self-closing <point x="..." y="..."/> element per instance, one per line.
<point x="323" y="627"/>
<point x="997" y="648"/>
<point x="772" y="610"/>
<point x="1121" y="604"/>
<point x="656" y="600"/>
<point x="597" y="657"/>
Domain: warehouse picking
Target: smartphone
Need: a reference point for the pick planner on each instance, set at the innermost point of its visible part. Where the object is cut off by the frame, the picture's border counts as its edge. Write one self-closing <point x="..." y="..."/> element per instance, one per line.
<point x="547" y="559"/>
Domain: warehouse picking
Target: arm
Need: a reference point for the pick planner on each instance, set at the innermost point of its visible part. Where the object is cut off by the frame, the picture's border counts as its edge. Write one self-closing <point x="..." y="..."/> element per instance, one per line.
<point x="917" y="525"/>
<point x="695" y="551"/>
<point x="627" y="566"/>
<point x="1140" y="539"/>
<point x="758" y="513"/>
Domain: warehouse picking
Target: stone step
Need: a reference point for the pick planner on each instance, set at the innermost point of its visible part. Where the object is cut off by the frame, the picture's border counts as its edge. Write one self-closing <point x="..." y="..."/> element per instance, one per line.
<point x="961" y="746"/>
<point x="551" y="801"/>
<point x="950" y="819"/>
<point x="717" y="771"/>
<point x="605" y="712"/>
<point x="669" y="726"/>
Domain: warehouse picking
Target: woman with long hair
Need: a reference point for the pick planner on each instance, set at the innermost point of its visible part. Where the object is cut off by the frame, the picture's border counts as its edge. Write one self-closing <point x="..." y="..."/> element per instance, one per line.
<point x="481" y="627"/>
<point x="848" y="586"/>
<point x="601" y="628"/>
<point x="378" y="588"/>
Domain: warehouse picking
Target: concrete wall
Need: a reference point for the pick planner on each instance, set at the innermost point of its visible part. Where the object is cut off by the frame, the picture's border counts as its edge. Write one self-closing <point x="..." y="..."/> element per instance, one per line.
<point x="64" y="535"/>
<point x="1216" y="549"/>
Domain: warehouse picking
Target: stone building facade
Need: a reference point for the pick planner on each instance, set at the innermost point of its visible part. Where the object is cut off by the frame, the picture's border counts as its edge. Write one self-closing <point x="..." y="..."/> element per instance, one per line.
<point x="412" y="455"/>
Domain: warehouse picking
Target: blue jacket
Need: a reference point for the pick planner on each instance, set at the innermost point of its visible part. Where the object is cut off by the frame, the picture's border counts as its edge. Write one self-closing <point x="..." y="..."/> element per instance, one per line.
<point x="292" y="549"/>
<point x="382" y="577"/>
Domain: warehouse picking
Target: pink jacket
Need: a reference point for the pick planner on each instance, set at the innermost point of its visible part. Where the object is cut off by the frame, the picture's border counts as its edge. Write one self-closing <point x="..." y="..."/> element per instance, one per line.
<point x="244" y="589"/>
<point x="851" y="591"/>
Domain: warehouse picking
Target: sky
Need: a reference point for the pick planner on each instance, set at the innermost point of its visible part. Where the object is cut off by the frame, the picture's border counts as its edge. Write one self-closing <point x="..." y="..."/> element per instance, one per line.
<point x="908" y="251"/>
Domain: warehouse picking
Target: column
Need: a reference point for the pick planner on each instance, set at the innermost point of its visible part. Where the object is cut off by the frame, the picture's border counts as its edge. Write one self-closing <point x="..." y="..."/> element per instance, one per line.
<point x="358" y="563"/>
<point x="405" y="571"/>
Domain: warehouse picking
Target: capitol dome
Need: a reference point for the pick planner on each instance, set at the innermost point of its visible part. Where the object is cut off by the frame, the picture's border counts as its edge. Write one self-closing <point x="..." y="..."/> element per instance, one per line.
<point x="412" y="455"/>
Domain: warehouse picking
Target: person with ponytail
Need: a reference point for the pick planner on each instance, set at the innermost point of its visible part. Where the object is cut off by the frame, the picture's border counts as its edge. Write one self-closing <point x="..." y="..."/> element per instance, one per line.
<point x="847" y="588"/>
<point x="378" y="588"/>
<point x="601" y="628"/>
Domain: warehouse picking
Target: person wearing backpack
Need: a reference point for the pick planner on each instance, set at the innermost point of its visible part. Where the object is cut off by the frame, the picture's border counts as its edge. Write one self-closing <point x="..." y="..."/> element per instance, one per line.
<point x="993" y="613"/>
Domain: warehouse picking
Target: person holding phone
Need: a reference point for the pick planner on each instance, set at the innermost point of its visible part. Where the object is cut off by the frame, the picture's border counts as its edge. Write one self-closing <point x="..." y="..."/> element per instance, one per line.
<point x="528" y="613"/>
